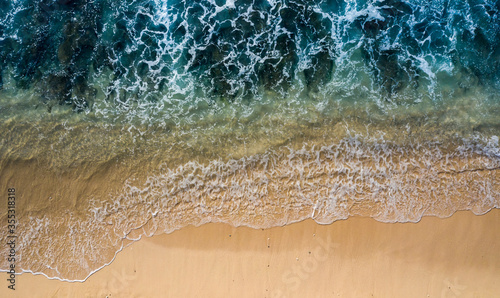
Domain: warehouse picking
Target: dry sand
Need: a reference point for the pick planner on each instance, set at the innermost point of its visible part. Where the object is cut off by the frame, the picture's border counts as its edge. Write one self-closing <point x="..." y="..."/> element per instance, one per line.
<point x="359" y="257"/>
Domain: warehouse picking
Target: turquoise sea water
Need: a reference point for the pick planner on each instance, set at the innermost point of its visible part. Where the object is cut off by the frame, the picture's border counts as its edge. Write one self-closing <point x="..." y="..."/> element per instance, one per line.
<point x="257" y="113"/>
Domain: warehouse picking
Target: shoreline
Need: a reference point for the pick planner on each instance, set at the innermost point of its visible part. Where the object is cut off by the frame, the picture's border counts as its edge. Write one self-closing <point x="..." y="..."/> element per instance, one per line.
<point x="86" y="221"/>
<point x="130" y="242"/>
<point x="441" y="257"/>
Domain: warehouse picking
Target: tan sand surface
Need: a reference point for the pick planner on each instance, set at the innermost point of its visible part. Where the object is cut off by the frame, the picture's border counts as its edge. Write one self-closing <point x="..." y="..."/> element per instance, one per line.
<point x="359" y="257"/>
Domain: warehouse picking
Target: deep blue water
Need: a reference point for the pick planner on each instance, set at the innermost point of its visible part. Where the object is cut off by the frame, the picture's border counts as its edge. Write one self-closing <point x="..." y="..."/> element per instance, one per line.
<point x="69" y="52"/>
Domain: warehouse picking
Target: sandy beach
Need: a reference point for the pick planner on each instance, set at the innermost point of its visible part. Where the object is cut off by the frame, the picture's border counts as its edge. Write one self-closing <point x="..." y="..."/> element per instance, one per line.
<point x="358" y="257"/>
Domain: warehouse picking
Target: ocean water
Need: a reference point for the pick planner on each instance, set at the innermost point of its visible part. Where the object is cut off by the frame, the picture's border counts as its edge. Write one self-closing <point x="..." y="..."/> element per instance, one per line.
<point x="124" y="119"/>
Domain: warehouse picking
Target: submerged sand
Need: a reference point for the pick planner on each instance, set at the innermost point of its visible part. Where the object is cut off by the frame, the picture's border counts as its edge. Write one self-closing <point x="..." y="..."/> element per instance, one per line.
<point x="358" y="257"/>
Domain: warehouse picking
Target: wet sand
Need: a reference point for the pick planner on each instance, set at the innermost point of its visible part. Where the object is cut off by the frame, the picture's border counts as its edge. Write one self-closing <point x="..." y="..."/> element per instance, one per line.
<point x="358" y="257"/>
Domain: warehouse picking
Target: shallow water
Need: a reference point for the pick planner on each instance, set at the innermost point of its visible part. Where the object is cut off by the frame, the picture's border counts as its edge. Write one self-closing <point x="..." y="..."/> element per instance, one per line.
<point x="130" y="118"/>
